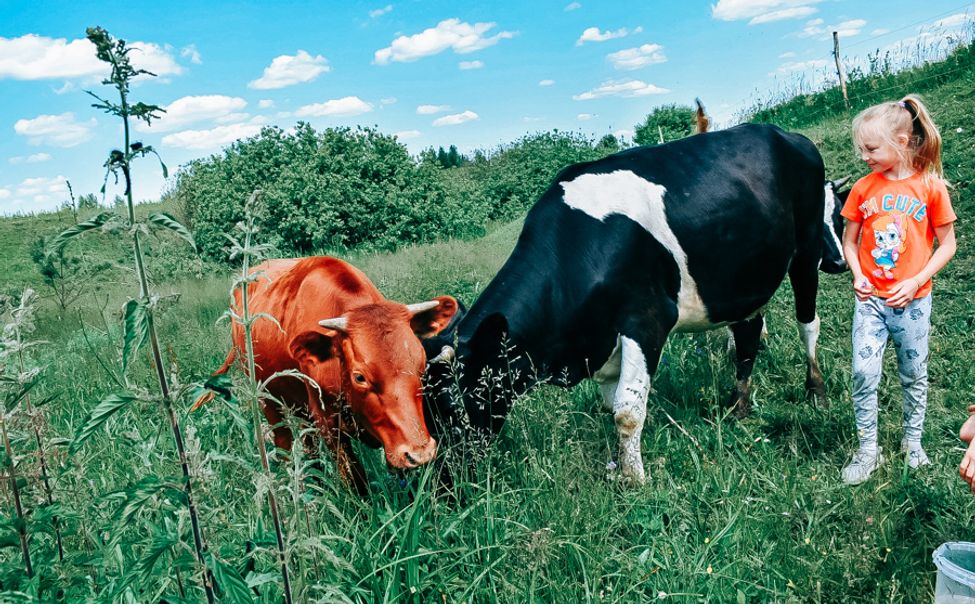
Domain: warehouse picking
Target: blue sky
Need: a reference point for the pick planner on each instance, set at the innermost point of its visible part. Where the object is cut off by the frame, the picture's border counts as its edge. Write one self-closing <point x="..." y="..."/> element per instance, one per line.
<point x="435" y="73"/>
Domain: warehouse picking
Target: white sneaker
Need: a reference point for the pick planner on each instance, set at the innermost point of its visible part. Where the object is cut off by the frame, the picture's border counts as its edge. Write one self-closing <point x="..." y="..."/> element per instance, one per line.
<point x="862" y="466"/>
<point x="916" y="457"/>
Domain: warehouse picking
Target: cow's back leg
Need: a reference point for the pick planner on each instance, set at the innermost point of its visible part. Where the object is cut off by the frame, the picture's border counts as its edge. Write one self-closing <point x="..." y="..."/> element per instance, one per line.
<point x="804" y="276"/>
<point x="747" y="337"/>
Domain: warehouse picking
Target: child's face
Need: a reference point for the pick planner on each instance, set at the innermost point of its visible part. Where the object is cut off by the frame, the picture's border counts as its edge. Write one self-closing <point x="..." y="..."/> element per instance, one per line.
<point x="882" y="156"/>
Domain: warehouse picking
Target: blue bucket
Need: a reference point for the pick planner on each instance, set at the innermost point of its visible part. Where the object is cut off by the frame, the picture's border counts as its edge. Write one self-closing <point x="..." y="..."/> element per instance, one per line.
<point x="956" y="573"/>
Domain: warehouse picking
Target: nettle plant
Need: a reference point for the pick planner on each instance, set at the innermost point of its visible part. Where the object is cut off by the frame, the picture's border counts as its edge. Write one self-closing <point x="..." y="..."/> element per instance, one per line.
<point x="139" y="329"/>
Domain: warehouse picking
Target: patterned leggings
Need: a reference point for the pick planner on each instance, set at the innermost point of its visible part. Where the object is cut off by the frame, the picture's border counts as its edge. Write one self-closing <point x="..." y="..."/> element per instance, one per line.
<point x="873" y="322"/>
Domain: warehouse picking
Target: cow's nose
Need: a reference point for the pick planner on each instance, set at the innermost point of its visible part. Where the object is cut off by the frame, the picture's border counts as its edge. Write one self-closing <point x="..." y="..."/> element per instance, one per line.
<point x="419" y="456"/>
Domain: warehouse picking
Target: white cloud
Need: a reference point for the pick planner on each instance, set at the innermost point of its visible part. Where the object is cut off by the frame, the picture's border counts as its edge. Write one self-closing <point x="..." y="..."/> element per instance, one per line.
<point x="454" y="34"/>
<point x="431" y="109"/>
<point x="787" y="55"/>
<point x="153" y="58"/>
<point x="812" y="28"/>
<point x="34" y="195"/>
<point x="635" y="58"/>
<point x="30" y="159"/>
<point x="471" y="64"/>
<point x="190" y="52"/>
<point x="622" y="88"/>
<point x="390" y="100"/>
<point x="33" y="57"/>
<point x="55" y="130"/>
<point x="287" y="70"/>
<point x="345" y="106"/>
<point x="817" y="28"/>
<point x="762" y="11"/>
<point x="528" y="119"/>
<point x="379" y="12"/>
<point x="265" y="104"/>
<point x="585" y="117"/>
<point x="794" y="66"/>
<point x="592" y="34"/>
<point x="455" y="119"/>
<point x="546" y="82"/>
<point x="407" y="134"/>
<point x="213" y="138"/>
<point x="879" y="31"/>
<point x="572" y="6"/>
<point x="189" y="109"/>
<point x="783" y="15"/>
<point x="624" y="133"/>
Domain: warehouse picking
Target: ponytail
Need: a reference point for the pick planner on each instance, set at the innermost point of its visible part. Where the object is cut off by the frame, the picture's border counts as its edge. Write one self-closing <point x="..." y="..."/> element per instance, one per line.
<point x="925" y="138"/>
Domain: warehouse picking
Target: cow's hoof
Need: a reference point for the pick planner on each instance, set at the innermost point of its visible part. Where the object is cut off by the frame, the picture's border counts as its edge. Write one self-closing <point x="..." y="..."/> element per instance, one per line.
<point x="816" y="392"/>
<point x="740" y="402"/>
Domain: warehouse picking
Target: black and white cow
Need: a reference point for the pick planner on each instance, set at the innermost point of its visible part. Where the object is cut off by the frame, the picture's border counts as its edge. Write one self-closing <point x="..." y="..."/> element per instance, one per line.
<point x="620" y="252"/>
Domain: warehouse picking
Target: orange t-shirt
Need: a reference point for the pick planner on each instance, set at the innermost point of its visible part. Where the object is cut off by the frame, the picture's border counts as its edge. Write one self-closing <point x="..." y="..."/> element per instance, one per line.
<point x="897" y="226"/>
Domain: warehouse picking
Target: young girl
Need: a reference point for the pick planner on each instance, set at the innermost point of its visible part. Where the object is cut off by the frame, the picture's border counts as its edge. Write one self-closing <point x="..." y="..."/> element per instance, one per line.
<point x="893" y="216"/>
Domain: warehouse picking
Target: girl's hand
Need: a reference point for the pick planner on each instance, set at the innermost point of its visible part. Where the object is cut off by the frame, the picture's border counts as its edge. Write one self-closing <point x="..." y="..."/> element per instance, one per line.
<point x="862" y="288"/>
<point x="967" y="432"/>
<point x="902" y="293"/>
<point x="967" y="467"/>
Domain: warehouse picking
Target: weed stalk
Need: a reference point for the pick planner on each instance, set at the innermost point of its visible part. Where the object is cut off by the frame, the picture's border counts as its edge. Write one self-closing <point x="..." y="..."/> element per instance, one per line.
<point x="247" y="251"/>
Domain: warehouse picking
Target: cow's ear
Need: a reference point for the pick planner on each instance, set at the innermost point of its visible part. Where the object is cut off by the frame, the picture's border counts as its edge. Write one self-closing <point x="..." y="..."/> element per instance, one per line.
<point x="431" y="322"/>
<point x="313" y="346"/>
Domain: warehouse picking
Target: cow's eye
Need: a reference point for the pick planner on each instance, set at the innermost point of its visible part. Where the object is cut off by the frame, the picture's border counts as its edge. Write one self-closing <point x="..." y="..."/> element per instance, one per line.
<point x="359" y="378"/>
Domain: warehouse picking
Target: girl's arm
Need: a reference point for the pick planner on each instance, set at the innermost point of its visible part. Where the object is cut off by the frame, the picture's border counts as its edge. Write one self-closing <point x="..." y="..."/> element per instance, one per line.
<point x="851" y="240"/>
<point x="967" y="434"/>
<point x="902" y="294"/>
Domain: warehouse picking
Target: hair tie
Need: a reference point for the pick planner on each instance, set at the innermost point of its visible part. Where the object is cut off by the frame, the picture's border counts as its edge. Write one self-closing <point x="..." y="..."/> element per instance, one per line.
<point x="902" y="104"/>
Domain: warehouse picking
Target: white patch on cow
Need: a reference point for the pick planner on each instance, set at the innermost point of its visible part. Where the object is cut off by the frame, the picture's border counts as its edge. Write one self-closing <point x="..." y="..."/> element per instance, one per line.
<point x="809" y="332"/>
<point x="623" y="192"/>
<point x="828" y="208"/>
<point x="626" y="369"/>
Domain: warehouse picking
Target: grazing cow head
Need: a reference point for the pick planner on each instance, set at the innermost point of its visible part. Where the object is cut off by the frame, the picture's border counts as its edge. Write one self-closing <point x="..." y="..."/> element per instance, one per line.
<point x="833" y="261"/>
<point x="381" y="363"/>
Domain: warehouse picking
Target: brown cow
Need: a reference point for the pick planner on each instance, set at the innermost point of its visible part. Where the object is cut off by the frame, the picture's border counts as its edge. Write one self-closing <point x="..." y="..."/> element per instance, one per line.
<point x="361" y="349"/>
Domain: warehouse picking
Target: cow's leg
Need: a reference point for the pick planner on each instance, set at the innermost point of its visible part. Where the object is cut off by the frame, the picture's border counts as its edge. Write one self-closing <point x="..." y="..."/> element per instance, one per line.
<point x="327" y="419"/>
<point x="804" y="276"/>
<point x="283" y="438"/>
<point x="747" y="337"/>
<point x="630" y="402"/>
<point x="608" y="377"/>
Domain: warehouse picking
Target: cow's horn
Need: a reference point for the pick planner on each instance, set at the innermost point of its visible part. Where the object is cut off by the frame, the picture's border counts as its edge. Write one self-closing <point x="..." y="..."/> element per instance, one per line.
<point x="419" y="307"/>
<point x="447" y="354"/>
<point x="338" y="323"/>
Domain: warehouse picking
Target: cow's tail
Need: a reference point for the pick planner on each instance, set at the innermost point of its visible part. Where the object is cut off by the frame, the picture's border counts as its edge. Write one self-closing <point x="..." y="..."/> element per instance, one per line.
<point x="218" y="384"/>
<point x="701" y="121"/>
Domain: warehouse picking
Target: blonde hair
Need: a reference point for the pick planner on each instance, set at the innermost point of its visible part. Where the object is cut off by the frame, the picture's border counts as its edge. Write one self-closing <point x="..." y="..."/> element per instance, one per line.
<point x="908" y="117"/>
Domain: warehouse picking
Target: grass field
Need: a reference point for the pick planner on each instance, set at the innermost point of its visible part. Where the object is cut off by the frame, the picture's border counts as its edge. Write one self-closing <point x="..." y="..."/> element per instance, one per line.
<point x="746" y="511"/>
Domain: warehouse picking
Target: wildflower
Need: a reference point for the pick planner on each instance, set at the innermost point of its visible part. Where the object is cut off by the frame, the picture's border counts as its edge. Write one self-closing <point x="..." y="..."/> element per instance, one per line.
<point x="661" y="595"/>
<point x="707" y="540"/>
<point x="807" y="540"/>
<point x="710" y="570"/>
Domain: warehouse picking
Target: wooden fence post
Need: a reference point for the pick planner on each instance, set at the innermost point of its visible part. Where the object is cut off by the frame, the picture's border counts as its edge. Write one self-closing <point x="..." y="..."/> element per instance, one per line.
<point x="840" y="73"/>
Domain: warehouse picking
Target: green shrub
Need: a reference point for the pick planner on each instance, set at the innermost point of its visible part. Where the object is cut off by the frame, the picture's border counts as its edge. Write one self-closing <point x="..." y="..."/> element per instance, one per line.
<point x="335" y="189"/>
<point x="672" y="122"/>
